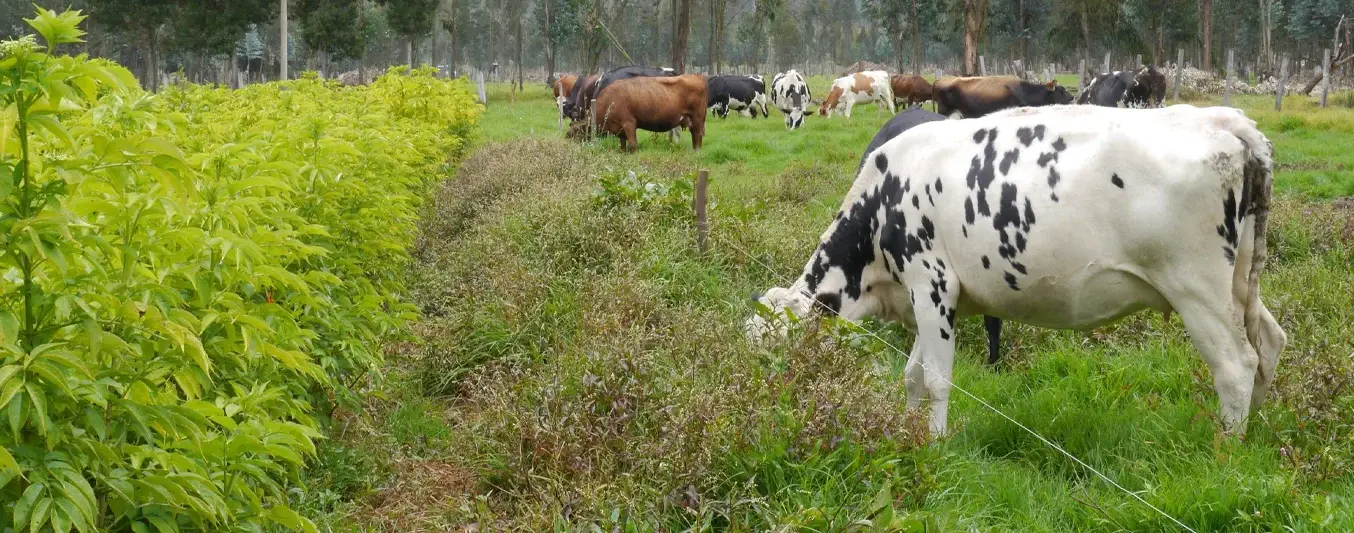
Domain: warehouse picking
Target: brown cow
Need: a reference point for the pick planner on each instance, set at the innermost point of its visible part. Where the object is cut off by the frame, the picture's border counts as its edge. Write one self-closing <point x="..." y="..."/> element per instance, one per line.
<point x="909" y="89"/>
<point x="562" y="87"/>
<point x="657" y="104"/>
<point x="979" y="96"/>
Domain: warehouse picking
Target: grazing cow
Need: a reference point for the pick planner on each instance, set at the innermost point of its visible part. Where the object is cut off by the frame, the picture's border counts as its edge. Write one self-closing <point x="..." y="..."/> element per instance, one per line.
<point x="791" y="95"/>
<point x="746" y="94"/>
<point x="975" y="97"/>
<point x="576" y="103"/>
<point x="909" y="89"/>
<point x="1142" y="89"/>
<point x="900" y="123"/>
<point x="649" y="103"/>
<point x="562" y="88"/>
<point x="1061" y="217"/>
<point x="859" y="87"/>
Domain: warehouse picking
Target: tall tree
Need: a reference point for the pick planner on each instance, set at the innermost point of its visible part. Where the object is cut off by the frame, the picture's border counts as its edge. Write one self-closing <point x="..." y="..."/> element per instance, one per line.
<point x="975" y="21"/>
<point x="916" y="40"/>
<point x="411" y="20"/>
<point x="891" y="15"/>
<point x="679" y="37"/>
<point x="1206" y="31"/>
<point x="141" y="20"/>
<point x="332" y="28"/>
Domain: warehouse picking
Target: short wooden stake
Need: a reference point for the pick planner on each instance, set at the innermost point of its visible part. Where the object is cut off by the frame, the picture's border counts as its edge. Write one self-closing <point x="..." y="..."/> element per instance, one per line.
<point x="702" y="226"/>
<point x="1107" y="63"/>
<point x="1081" y="76"/>
<point x="982" y="66"/>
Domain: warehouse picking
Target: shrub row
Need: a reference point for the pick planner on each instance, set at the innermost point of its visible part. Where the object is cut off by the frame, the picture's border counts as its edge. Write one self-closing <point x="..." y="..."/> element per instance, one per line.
<point x="191" y="278"/>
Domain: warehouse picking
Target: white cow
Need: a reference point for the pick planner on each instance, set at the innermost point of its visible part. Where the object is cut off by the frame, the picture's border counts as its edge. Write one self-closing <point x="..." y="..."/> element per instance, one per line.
<point x="847" y="91"/>
<point x="1060" y="217"/>
<point x="790" y="94"/>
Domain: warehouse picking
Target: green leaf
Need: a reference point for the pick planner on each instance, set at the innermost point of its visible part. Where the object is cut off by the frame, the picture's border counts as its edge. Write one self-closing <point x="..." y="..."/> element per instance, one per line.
<point x="39" y="405"/>
<point x="8" y="467"/>
<point x="9" y="325"/>
<point x="288" y="518"/>
<point x="40" y="515"/>
<point x="23" y="509"/>
<point x="54" y="127"/>
<point x="58" y="28"/>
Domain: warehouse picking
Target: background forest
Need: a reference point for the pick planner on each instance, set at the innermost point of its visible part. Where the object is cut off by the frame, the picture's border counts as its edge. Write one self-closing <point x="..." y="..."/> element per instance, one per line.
<point x="211" y="40"/>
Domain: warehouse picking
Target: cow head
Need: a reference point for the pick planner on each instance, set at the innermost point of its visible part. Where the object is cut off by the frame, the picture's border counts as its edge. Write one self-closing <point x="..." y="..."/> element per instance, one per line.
<point x="830" y="102"/>
<point x="848" y="275"/>
<point x="1057" y="94"/>
<point x="579" y="131"/>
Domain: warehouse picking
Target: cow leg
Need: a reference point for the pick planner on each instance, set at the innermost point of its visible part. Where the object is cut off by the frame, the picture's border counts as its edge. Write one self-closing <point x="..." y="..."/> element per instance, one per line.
<point x="629" y="143"/>
<point x="1215" y="326"/>
<point x="914" y="378"/>
<point x="993" y="326"/>
<point x="850" y="102"/>
<point x="697" y="130"/>
<point x="934" y="294"/>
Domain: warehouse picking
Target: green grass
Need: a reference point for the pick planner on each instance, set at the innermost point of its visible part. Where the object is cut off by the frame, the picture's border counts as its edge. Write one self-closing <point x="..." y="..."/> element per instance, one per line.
<point x="584" y="363"/>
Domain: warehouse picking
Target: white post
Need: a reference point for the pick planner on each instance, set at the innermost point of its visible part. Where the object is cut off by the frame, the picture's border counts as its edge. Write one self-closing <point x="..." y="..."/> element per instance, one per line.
<point x="1325" y="76"/>
<point x="1179" y="74"/>
<point x="1278" y="90"/>
<point x="283" y="23"/>
<point x="1081" y="76"/>
<point x="1139" y="63"/>
<point x="982" y="66"/>
<point x="1227" y="91"/>
<point x="1107" y="63"/>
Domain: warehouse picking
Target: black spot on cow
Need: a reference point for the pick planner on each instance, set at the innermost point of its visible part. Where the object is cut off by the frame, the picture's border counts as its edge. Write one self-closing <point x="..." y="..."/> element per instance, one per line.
<point x="935" y="297"/>
<point x="1009" y="159"/>
<point x="1229" y="254"/>
<point x="870" y="288"/>
<point x="850" y="246"/>
<point x="1227" y="229"/>
<point x="1028" y="136"/>
<point x="1053" y="179"/>
<point x="939" y="188"/>
<point x="916" y="201"/>
<point x="925" y="263"/>
<point x="968" y="210"/>
<point x="1019" y="267"/>
<point x="1053" y="196"/>
<point x="944" y="334"/>
<point x="1020" y="244"/>
<point x="982" y="171"/>
<point x="928" y="230"/>
<point x="1059" y="145"/>
<point x="965" y="230"/>
<point x="941" y="262"/>
<point x="986" y="262"/>
<point x="1047" y="157"/>
<point x="928" y="195"/>
<point x="1114" y="178"/>
<point x="881" y="162"/>
<point x="949" y="317"/>
<point x="1011" y="281"/>
<point x="978" y="136"/>
<point x="1029" y="214"/>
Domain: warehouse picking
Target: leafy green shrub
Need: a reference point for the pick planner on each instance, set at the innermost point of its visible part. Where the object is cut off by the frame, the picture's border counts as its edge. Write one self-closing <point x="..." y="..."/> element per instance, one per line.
<point x="187" y="275"/>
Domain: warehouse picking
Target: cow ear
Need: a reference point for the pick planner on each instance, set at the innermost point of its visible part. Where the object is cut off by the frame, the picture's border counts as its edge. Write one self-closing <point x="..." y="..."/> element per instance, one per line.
<point x="1052" y="84"/>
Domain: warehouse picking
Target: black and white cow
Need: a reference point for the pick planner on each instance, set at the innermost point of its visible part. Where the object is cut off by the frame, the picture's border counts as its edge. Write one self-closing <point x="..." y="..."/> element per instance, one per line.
<point x="1142" y="89"/>
<point x="1060" y="217"/>
<point x="790" y="94"/>
<point x="900" y="123"/>
<point x="746" y="94"/>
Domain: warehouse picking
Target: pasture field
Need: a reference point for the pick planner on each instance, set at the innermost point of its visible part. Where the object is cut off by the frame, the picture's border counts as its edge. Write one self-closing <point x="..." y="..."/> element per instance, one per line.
<point x="582" y="367"/>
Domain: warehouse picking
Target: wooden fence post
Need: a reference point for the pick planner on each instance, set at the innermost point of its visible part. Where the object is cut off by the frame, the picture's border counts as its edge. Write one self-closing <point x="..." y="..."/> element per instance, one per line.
<point x="938" y="74"/>
<point x="1325" y="76"/>
<point x="982" y="66"/>
<point x="1081" y="76"/>
<point x="1107" y="63"/>
<point x="1179" y="74"/>
<point x="702" y="226"/>
<point x="1227" y="90"/>
<point x="1283" y="78"/>
<point x="1139" y="63"/>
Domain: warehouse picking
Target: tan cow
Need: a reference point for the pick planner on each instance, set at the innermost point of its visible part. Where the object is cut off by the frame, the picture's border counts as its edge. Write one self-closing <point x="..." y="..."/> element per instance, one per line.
<point x="562" y="87"/>
<point x="859" y="87"/>
<point x="657" y="104"/>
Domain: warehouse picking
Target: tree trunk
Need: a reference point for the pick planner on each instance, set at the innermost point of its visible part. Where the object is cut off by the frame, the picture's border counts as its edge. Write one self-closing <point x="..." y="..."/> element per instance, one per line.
<point x="714" y="30"/>
<point x="1159" y="56"/>
<point x="436" y="52"/>
<point x="975" y="11"/>
<point x="519" y="54"/>
<point x="549" y="47"/>
<point x="1086" y="29"/>
<point x="680" y="34"/>
<point x="409" y="53"/>
<point x="451" y="52"/>
<point x="1020" y="50"/>
<point x="282" y="38"/>
<point x="896" y="41"/>
<point x="916" y="39"/>
<point x="153" y="69"/>
<point x="1206" y="20"/>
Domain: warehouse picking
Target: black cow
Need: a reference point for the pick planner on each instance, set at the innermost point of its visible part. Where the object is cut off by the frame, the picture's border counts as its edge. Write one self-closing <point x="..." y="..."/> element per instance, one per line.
<point x="900" y="123"/>
<point x="976" y="97"/>
<point x="1142" y="89"/>
<point x="573" y="105"/>
<point x="737" y="93"/>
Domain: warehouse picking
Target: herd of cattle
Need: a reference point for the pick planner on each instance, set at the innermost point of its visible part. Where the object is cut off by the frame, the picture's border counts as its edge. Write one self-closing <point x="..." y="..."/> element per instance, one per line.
<point x="627" y="99"/>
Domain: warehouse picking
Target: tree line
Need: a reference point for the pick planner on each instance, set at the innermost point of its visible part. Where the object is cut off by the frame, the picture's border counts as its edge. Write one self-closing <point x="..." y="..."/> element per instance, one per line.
<point x="211" y="36"/>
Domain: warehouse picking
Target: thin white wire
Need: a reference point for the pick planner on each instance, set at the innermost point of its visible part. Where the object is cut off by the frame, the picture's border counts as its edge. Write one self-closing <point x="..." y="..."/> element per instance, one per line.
<point x="1036" y="435"/>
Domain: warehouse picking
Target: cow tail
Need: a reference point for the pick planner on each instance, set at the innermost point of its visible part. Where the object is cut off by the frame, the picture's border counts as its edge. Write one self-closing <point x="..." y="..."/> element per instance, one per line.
<point x="1258" y="176"/>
